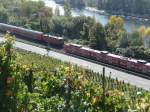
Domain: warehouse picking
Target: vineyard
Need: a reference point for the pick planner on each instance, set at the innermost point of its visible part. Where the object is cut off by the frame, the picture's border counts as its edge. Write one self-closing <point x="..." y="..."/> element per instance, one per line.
<point x="37" y="83"/>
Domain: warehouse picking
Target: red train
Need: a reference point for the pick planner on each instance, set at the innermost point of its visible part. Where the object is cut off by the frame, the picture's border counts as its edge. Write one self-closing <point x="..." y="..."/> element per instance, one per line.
<point x="106" y="57"/>
<point x="103" y="56"/>
<point x="31" y="34"/>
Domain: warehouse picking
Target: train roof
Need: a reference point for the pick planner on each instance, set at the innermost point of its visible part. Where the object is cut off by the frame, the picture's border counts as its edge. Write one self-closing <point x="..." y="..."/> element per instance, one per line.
<point x="114" y="55"/>
<point x="76" y="45"/>
<point x="33" y="31"/>
<point x="128" y="59"/>
<point x="132" y="60"/>
<point x="142" y="61"/>
<point x="104" y="52"/>
<point x="97" y="51"/>
<point x="11" y="26"/>
<point x="88" y="49"/>
<point x="124" y="58"/>
<point x="60" y="38"/>
<point x="147" y="64"/>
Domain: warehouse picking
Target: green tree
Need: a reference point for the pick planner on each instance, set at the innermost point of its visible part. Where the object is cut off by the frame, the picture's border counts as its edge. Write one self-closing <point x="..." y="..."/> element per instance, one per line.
<point x="97" y="37"/>
<point x="45" y="14"/>
<point x="136" y="39"/>
<point x="123" y="40"/>
<point x="67" y="9"/>
<point x="115" y="32"/>
<point x="57" y="11"/>
<point x="85" y="32"/>
<point x="3" y="14"/>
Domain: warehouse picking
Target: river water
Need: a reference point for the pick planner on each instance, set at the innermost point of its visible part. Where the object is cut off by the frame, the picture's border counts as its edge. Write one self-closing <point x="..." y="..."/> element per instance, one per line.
<point x="130" y="25"/>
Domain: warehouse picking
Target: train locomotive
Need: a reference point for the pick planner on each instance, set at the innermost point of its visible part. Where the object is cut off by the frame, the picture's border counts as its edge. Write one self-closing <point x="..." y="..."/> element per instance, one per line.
<point x="139" y="66"/>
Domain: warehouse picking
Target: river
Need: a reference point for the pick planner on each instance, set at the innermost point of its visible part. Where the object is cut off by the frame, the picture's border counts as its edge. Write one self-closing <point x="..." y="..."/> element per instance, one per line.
<point x="130" y="24"/>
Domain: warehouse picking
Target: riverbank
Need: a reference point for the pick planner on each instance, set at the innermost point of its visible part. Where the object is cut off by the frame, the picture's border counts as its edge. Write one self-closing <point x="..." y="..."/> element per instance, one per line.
<point x="127" y="17"/>
<point x="142" y="18"/>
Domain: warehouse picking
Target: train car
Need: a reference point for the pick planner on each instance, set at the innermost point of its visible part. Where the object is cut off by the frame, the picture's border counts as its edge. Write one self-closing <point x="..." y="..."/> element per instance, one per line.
<point x="86" y="52"/>
<point x="140" y="65"/>
<point x="28" y="33"/>
<point x="123" y="62"/>
<point x="113" y="59"/>
<point x="66" y="48"/>
<point x="53" y="40"/>
<point x="72" y="48"/>
<point x="104" y="57"/>
<point x="131" y="63"/>
<point x="95" y="54"/>
<point x="31" y="34"/>
<point x="22" y="31"/>
<point x="147" y="66"/>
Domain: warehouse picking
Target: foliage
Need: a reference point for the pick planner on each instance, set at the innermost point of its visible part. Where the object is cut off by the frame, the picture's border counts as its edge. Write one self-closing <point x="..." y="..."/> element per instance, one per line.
<point x="97" y="37"/>
<point x="67" y="9"/>
<point x="8" y="76"/>
<point x="114" y="31"/>
<point x="147" y="32"/>
<point x="3" y="14"/>
<point x="57" y="11"/>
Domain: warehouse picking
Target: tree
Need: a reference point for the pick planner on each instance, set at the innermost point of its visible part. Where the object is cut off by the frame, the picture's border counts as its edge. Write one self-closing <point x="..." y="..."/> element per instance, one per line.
<point x="147" y="32"/>
<point x="114" y="30"/>
<point x="57" y="11"/>
<point x="145" y="35"/>
<point x="85" y="31"/>
<point x="67" y="9"/>
<point x="136" y="39"/>
<point x="97" y="37"/>
<point x="93" y="41"/>
<point x="147" y="54"/>
<point x="117" y="22"/>
<point x="123" y="40"/>
<point x="3" y="14"/>
<point x="45" y="14"/>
